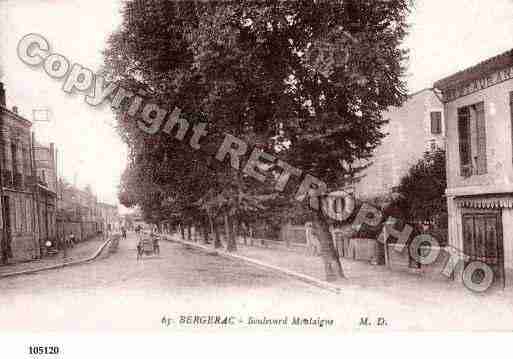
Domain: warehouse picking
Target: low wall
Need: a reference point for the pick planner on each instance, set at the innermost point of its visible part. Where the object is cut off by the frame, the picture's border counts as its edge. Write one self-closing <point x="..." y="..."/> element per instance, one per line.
<point x="271" y="244"/>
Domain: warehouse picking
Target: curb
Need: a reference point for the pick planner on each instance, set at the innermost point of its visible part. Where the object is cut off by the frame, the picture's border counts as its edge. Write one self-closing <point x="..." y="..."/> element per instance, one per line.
<point x="299" y="276"/>
<point x="60" y="265"/>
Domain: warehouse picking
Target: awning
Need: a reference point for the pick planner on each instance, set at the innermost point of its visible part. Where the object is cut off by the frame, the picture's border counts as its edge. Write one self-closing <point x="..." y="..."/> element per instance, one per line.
<point x="487" y="201"/>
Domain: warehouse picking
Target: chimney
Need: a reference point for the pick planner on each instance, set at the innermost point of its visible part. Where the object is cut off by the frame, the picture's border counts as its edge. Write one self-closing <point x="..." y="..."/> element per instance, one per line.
<point x="15" y="109"/>
<point x="2" y="94"/>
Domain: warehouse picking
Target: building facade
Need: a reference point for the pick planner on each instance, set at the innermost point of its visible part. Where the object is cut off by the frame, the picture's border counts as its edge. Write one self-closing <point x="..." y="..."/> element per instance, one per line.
<point x="414" y="128"/>
<point x="478" y="106"/>
<point x="110" y="218"/>
<point x="19" y="216"/>
<point x="46" y="193"/>
<point x="79" y="212"/>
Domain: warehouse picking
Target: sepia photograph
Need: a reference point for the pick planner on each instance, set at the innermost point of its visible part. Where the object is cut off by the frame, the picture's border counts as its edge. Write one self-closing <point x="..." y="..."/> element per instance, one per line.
<point x="298" y="167"/>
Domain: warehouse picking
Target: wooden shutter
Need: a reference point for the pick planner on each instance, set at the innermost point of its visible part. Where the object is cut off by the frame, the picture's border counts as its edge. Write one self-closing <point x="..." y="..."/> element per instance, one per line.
<point x="511" y="114"/>
<point x="481" y="138"/>
<point x="464" y="141"/>
<point x="436" y="122"/>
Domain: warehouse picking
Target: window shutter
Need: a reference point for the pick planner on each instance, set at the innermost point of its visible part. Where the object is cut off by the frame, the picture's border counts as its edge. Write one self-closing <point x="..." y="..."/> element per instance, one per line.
<point x="511" y="114"/>
<point x="436" y="122"/>
<point x="464" y="141"/>
<point x="481" y="138"/>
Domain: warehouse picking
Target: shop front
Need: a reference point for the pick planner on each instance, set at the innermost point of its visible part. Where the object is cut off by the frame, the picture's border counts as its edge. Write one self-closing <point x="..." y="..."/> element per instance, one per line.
<point x="478" y="105"/>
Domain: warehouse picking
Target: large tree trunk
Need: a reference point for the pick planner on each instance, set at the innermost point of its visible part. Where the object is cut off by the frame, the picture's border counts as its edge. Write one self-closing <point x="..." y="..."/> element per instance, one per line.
<point x="231" y="245"/>
<point x="182" y="231"/>
<point x="195" y="233"/>
<point x="5" y="256"/>
<point x="329" y="255"/>
<point x="205" y="233"/>
<point x="236" y="229"/>
<point x="217" y="239"/>
<point x="243" y="233"/>
<point x="215" y="231"/>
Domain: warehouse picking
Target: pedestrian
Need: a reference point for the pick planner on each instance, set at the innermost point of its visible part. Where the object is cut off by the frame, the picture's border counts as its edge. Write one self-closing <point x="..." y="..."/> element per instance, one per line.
<point x="123" y="232"/>
<point x="72" y="239"/>
<point x="156" y="245"/>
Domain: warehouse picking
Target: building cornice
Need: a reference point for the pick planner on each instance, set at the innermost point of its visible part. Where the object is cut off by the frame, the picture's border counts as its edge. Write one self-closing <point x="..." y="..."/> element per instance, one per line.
<point x="15" y="115"/>
<point x="477" y="71"/>
<point x="468" y="191"/>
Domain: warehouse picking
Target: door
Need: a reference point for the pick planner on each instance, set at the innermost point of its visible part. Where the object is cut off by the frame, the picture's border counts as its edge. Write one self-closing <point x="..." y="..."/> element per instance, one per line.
<point x="7" y="223"/>
<point x="482" y="241"/>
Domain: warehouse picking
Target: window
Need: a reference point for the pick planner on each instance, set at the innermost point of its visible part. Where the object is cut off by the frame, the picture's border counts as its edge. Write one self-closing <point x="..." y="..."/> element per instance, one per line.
<point x="511" y="111"/>
<point x="14" y="158"/>
<point x="28" y="214"/>
<point x="436" y="122"/>
<point x="26" y="162"/>
<point x="23" y="214"/>
<point x="472" y="140"/>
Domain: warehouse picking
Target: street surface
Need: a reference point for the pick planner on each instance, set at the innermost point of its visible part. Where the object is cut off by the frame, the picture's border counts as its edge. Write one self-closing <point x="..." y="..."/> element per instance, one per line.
<point x="121" y="293"/>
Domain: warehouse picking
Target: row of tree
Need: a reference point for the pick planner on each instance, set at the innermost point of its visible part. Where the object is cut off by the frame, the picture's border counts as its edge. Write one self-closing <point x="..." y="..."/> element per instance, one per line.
<point x="305" y="81"/>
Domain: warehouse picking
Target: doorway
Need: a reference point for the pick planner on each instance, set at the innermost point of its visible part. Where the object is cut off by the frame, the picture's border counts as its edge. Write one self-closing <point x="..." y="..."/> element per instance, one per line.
<point x="482" y="241"/>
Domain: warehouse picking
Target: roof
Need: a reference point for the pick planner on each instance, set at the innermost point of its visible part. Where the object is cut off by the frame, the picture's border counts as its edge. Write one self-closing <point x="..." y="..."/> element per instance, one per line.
<point x="477" y="71"/>
<point x="15" y="115"/>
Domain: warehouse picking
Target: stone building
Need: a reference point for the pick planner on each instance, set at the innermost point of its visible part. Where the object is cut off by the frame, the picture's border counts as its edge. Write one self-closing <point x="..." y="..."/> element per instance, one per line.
<point x="46" y="194"/>
<point x="111" y="220"/>
<point x="414" y="128"/>
<point x="79" y="213"/>
<point x="478" y="106"/>
<point x="19" y="220"/>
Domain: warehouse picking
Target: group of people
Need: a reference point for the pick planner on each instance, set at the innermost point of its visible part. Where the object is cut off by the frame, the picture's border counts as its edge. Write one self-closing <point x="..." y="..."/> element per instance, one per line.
<point x="153" y="237"/>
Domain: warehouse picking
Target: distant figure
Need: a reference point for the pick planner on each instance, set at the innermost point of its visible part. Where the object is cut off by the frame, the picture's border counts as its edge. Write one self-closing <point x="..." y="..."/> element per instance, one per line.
<point x="156" y="245"/>
<point x="72" y="239"/>
<point x="313" y="244"/>
<point x="138" y="230"/>
<point x="123" y="232"/>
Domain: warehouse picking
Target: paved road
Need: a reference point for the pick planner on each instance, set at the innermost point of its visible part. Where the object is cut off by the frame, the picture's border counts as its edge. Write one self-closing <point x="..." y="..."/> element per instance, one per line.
<point x="122" y="293"/>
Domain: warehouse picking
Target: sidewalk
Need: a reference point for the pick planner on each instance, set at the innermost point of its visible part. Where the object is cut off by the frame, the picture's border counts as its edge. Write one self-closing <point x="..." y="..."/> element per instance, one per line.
<point x="406" y="285"/>
<point x="80" y="251"/>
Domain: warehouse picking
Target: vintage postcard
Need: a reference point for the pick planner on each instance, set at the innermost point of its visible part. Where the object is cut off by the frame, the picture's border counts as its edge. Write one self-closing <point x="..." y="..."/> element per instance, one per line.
<point x="301" y="167"/>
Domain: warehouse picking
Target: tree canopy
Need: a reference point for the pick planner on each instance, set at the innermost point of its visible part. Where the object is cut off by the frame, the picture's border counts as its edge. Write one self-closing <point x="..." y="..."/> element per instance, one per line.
<point x="304" y="81"/>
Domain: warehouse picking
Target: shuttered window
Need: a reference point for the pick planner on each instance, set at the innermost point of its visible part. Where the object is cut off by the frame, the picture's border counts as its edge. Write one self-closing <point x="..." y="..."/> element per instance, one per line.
<point x="481" y="138"/>
<point x="511" y="114"/>
<point x="436" y="122"/>
<point x="464" y="141"/>
<point x="472" y="140"/>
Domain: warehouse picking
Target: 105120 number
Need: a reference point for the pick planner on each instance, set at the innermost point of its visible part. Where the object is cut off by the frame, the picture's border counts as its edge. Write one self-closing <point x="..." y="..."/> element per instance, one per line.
<point x="43" y="350"/>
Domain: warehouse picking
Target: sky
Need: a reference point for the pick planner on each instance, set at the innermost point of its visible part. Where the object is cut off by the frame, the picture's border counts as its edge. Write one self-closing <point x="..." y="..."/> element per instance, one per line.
<point x="445" y="36"/>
